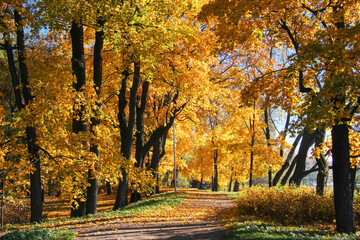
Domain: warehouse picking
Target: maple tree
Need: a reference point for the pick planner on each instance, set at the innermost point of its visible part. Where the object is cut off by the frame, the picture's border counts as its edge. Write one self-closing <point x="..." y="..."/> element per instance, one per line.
<point x="23" y="94"/>
<point x="102" y="82"/>
<point x="322" y="36"/>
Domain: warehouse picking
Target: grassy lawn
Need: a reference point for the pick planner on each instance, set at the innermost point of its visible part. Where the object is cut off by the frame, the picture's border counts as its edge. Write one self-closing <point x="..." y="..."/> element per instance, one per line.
<point x="257" y="230"/>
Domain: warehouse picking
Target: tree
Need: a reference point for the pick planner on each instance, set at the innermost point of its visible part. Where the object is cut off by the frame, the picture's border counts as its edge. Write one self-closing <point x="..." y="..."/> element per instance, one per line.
<point x="24" y="97"/>
<point x="322" y="37"/>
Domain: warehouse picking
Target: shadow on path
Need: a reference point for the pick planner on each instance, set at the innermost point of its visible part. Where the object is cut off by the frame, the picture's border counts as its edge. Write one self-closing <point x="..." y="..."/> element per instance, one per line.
<point x="201" y="216"/>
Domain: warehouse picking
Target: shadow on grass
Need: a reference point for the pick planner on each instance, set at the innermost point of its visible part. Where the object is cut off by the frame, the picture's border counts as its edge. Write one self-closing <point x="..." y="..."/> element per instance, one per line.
<point x="254" y="231"/>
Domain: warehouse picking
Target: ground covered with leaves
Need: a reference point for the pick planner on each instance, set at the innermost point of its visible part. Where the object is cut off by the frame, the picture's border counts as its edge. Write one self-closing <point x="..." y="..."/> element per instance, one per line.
<point x="256" y="213"/>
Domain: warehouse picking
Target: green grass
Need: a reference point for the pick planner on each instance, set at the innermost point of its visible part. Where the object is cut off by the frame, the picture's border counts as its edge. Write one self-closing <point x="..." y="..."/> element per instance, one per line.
<point x="233" y="195"/>
<point x="39" y="234"/>
<point x="257" y="230"/>
<point x="156" y="203"/>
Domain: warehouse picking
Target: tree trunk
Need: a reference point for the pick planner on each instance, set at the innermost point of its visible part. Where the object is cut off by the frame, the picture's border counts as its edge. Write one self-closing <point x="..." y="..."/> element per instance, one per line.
<point x="215" y="183"/>
<point x="230" y="183"/>
<point x="79" y="123"/>
<point x="109" y="189"/>
<point x="300" y="159"/>
<point x="343" y="196"/>
<point x="201" y="183"/>
<point x="287" y="161"/>
<point x="353" y="179"/>
<point x="252" y="130"/>
<point x="158" y="154"/>
<point x="35" y="177"/>
<point x="122" y="191"/>
<point x="236" y="186"/>
<point x="92" y="190"/>
<point x="2" y="204"/>
<point x="323" y="172"/>
<point x="140" y="152"/>
<point x="268" y="137"/>
<point x="127" y="131"/>
<point x="289" y="171"/>
<point x="31" y="136"/>
<point x="13" y="72"/>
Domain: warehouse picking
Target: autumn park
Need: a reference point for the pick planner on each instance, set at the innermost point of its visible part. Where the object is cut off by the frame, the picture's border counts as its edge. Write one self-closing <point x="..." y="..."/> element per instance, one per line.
<point x="179" y="119"/>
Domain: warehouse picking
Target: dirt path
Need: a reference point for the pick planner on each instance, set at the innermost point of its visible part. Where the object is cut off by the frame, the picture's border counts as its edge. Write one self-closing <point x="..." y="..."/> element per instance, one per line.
<point x="202" y="216"/>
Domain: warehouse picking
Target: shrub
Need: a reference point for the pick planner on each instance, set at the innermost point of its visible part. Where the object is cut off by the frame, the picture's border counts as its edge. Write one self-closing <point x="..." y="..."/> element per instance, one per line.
<point x="16" y="213"/>
<point x="39" y="234"/>
<point x="287" y="204"/>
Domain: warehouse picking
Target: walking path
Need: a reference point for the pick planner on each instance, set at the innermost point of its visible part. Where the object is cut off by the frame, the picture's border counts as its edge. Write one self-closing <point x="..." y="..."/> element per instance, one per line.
<point x="202" y="216"/>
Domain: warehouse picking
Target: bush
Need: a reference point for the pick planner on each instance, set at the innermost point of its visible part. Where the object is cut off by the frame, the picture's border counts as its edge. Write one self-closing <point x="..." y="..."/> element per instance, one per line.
<point x="287" y="205"/>
<point x="16" y="213"/>
<point x="39" y="234"/>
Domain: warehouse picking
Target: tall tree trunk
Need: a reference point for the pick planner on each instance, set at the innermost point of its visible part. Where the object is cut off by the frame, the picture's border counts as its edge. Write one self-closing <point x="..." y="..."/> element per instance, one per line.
<point x="79" y="124"/>
<point x="215" y="183"/>
<point x="323" y="173"/>
<point x="252" y="130"/>
<point x="127" y="131"/>
<point x="268" y="137"/>
<point x="92" y="190"/>
<point x="306" y="142"/>
<point x="140" y="136"/>
<point x="31" y="136"/>
<point x="287" y="161"/>
<point x="343" y="196"/>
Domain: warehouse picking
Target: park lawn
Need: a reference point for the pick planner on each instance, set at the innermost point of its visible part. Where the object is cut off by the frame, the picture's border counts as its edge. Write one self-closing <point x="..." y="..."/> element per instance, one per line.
<point x="259" y="229"/>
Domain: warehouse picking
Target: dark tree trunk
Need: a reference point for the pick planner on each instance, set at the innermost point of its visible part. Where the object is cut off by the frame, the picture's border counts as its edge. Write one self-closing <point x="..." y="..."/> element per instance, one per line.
<point x="289" y="171"/>
<point x="159" y="152"/>
<point x="35" y="177"/>
<point x="122" y="191"/>
<point x="251" y="167"/>
<point x="154" y="165"/>
<point x="127" y="131"/>
<point x="287" y="161"/>
<point x="109" y="189"/>
<point x="92" y="190"/>
<point x="31" y="136"/>
<point x="140" y="136"/>
<point x="267" y="135"/>
<point x="2" y="203"/>
<point x="13" y="72"/>
<point x="323" y="173"/>
<point x="343" y="196"/>
<point x="229" y="186"/>
<point x="300" y="159"/>
<point x="215" y="183"/>
<point x="252" y="130"/>
<point x="353" y="179"/>
<point x="236" y="186"/>
<point x="79" y="123"/>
